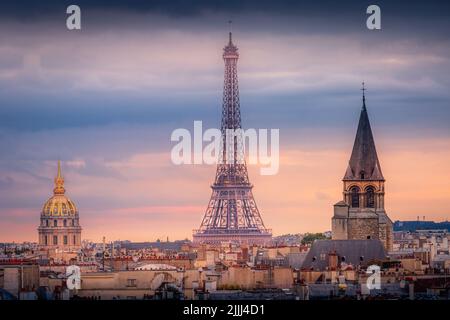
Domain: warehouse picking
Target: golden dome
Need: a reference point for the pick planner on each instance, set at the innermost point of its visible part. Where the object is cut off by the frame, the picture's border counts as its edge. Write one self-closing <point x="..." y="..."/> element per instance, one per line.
<point x="59" y="205"/>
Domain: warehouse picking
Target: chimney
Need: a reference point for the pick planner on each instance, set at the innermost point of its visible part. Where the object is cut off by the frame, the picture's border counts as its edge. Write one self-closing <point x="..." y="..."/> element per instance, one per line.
<point x="332" y="260"/>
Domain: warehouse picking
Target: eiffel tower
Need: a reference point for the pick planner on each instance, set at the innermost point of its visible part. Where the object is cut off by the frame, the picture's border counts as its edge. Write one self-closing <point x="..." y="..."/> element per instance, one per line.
<point x="232" y="214"/>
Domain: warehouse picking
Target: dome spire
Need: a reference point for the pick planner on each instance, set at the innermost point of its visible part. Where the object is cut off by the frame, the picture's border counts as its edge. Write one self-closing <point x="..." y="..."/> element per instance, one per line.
<point x="59" y="181"/>
<point x="59" y="169"/>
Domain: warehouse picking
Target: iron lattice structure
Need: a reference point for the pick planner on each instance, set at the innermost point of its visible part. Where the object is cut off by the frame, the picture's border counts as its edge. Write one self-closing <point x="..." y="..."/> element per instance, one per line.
<point x="232" y="214"/>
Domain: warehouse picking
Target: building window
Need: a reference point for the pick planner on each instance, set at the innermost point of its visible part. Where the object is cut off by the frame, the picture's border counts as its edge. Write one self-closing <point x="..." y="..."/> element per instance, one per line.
<point x="354" y="193"/>
<point x="55" y="240"/>
<point x="131" y="283"/>
<point x="362" y="175"/>
<point x="73" y="222"/>
<point x="65" y="240"/>
<point x="47" y="223"/>
<point x="46" y="240"/>
<point x="55" y="223"/>
<point x="370" y="197"/>
<point x="74" y="240"/>
<point x="65" y="223"/>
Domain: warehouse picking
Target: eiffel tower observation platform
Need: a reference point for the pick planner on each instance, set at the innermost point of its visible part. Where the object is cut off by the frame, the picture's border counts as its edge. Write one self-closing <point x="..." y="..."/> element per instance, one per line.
<point x="217" y="236"/>
<point x="232" y="214"/>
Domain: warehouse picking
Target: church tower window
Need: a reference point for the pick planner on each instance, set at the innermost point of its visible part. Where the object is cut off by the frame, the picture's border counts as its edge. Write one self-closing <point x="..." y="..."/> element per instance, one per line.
<point x="370" y="197"/>
<point x="354" y="197"/>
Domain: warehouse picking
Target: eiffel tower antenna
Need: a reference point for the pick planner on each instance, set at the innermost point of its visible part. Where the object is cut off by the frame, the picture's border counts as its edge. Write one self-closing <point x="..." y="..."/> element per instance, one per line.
<point x="232" y="214"/>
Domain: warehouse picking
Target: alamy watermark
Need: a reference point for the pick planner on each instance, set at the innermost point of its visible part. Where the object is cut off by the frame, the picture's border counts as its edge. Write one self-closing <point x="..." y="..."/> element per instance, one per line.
<point x="374" y="279"/>
<point x="73" y="277"/>
<point x="227" y="148"/>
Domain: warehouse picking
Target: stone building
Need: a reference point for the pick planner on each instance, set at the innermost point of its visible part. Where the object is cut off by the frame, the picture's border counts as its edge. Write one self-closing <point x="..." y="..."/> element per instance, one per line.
<point x="336" y="254"/>
<point x="361" y="214"/>
<point x="59" y="226"/>
<point x="18" y="276"/>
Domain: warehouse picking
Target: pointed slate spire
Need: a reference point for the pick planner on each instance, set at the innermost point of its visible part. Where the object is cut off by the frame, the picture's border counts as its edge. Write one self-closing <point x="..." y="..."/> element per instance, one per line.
<point x="364" y="164"/>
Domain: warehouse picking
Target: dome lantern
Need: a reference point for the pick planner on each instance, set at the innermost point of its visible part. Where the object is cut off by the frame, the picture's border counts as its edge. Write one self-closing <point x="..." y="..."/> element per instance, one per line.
<point x="59" y="182"/>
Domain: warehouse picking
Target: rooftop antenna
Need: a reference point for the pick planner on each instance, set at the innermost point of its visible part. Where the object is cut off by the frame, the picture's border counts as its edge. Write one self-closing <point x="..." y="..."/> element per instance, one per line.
<point x="230" y="23"/>
<point x="104" y="248"/>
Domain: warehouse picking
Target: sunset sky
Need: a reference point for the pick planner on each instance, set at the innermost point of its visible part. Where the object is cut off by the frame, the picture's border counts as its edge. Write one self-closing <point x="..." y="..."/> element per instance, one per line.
<point x="106" y="99"/>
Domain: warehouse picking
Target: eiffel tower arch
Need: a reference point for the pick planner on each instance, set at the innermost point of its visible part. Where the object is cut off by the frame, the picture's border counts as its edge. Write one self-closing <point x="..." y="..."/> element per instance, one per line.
<point x="232" y="214"/>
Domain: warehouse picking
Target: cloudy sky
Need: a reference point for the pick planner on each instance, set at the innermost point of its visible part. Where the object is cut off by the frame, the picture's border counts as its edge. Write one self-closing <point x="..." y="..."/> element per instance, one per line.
<point x="106" y="99"/>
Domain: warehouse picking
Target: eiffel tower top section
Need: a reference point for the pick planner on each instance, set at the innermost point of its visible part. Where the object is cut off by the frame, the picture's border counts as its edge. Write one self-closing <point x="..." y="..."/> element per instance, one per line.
<point x="231" y="114"/>
<point x="230" y="51"/>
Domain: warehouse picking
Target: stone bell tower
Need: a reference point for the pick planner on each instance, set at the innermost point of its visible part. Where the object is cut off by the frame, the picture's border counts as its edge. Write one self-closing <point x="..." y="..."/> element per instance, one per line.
<point x="361" y="214"/>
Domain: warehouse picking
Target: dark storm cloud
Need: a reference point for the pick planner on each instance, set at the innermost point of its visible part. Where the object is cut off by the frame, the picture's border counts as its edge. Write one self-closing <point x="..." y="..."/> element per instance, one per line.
<point x="325" y="15"/>
<point x="196" y="7"/>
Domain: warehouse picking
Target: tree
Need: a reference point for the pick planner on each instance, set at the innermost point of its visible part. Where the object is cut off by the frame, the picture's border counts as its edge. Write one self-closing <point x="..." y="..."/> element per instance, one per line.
<point x="311" y="237"/>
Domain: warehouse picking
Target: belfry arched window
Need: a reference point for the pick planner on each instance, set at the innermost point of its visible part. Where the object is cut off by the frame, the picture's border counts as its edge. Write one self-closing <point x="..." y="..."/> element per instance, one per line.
<point x="370" y="197"/>
<point x="354" y="197"/>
